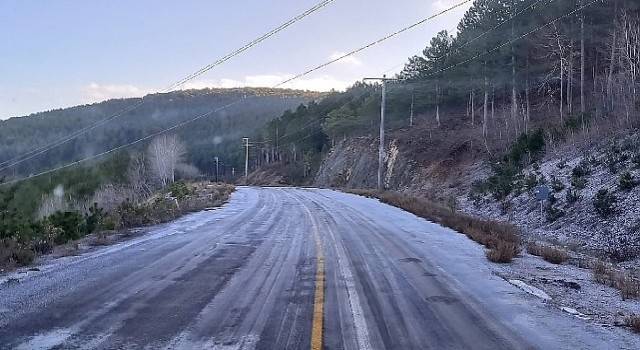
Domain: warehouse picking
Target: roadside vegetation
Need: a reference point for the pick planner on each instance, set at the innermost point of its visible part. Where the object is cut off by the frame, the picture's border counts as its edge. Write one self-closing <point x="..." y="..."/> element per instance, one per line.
<point x="547" y="252"/>
<point x="633" y="322"/>
<point x="624" y="281"/>
<point x="500" y="239"/>
<point x="126" y="191"/>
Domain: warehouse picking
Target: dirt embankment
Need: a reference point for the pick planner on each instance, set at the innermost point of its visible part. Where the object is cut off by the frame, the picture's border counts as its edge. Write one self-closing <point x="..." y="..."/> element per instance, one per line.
<point x="275" y="174"/>
<point x="424" y="161"/>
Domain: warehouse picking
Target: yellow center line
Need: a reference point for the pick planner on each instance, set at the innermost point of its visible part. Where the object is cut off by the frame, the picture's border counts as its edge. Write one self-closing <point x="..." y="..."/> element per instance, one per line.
<point x="318" y="303"/>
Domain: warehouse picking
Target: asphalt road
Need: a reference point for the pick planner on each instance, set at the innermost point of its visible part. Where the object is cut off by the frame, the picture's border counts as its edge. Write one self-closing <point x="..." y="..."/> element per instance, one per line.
<point x="275" y="269"/>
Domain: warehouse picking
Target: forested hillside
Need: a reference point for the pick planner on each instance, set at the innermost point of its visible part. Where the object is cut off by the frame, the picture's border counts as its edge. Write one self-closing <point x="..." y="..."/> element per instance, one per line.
<point x="128" y="187"/>
<point x="218" y="134"/>
<point x="512" y="66"/>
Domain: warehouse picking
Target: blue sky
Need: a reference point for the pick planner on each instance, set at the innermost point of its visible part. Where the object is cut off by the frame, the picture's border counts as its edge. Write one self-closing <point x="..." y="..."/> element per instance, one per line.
<point x="61" y="53"/>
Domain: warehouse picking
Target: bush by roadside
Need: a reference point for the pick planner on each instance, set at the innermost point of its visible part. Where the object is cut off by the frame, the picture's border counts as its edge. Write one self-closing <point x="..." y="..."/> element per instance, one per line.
<point x="22" y="239"/>
<point x="548" y="253"/>
<point x="633" y="321"/>
<point x="625" y="282"/>
<point x="499" y="238"/>
<point x="179" y="199"/>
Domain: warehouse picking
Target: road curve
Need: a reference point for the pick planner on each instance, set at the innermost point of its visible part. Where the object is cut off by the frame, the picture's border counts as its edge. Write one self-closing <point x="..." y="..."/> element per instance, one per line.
<point x="282" y="268"/>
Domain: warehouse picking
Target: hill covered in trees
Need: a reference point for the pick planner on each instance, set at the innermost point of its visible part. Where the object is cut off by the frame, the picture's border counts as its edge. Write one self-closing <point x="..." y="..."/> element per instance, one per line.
<point x="218" y="133"/>
<point x="512" y="66"/>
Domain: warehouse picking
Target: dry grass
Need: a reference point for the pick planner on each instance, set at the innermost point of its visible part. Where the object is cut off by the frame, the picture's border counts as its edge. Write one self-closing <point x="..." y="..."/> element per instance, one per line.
<point x="499" y="238"/>
<point x="548" y="253"/>
<point x="625" y="282"/>
<point x="101" y="238"/>
<point x="503" y="253"/>
<point x="633" y="321"/>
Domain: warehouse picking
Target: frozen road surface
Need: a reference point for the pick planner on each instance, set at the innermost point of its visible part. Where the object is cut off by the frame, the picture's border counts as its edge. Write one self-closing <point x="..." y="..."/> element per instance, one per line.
<point x="280" y="268"/>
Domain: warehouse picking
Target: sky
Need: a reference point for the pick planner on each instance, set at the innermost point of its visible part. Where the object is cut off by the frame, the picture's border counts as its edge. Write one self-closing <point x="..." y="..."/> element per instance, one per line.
<point x="62" y="53"/>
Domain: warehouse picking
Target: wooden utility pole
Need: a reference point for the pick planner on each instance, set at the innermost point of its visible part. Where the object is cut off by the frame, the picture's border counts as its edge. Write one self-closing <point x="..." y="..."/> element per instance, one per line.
<point x="217" y="162"/>
<point x="384" y="80"/>
<point x="411" y="115"/>
<point x="246" y="157"/>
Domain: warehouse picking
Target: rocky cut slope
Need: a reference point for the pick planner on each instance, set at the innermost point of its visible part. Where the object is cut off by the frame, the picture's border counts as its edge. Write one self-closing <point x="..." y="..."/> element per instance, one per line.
<point x="419" y="160"/>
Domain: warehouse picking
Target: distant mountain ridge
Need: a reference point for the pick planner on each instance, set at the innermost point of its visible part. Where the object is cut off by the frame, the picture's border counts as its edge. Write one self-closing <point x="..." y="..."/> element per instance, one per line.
<point x="218" y="134"/>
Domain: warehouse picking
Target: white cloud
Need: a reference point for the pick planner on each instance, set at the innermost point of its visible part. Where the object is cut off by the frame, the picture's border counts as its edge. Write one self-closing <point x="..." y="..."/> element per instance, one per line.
<point x="441" y="5"/>
<point x="317" y="83"/>
<point x="95" y="92"/>
<point x="352" y="60"/>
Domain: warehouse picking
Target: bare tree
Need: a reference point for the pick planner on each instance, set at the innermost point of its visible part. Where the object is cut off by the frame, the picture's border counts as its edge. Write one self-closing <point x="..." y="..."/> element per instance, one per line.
<point x="485" y="110"/>
<point x="189" y="171"/>
<point x="164" y="154"/>
<point x="52" y="202"/>
<point x="583" y="107"/>
<point x="559" y="50"/>
<point x="514" y="98"/>
<point x="109" y="196"/>
<point x="628" y="28"/>
<point x="138" y="177"/>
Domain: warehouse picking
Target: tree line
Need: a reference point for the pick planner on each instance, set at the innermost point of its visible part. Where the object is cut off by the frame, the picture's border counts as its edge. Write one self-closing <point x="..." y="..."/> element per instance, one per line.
<point x="511" y="66"/>
<point x="218" y="134"/>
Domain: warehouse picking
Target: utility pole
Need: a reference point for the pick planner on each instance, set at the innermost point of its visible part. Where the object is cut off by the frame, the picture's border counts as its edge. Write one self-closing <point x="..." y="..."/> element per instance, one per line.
<point x="246" y="157"/>
<point x="216" y="158"/>
<point x="411" y="115"/>
<point x="384" y="80"/>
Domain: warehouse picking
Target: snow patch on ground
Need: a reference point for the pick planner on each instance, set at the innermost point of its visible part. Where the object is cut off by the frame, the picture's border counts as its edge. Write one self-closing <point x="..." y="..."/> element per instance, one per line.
<point x="571" y="287"/>
<point x="531" y="290"/>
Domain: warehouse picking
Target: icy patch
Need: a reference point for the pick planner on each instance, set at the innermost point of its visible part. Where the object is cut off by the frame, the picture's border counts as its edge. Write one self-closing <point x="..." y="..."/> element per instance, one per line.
<point x="247" y="342"/>
<point x="575" y="313"/>
<point x="48" y="340"/>
<point x="531" y="290"/>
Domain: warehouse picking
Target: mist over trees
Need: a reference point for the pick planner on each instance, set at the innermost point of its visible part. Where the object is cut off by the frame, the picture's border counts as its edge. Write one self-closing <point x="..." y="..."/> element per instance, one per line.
<point x="219" y="133"/>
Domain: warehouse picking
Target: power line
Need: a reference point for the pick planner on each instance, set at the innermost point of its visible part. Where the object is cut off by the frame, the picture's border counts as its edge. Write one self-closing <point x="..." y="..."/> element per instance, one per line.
<point x="449" y="53"/>
<point x="254" y="42"/>
<point x="235" y="102"/>
<point x="511" y="41"/>
<point x="310" y="122"/>
<point x="489" y="51"/>
<point x="389" y="36"/>
<point x="35" y="152"/>
<point x="298" y="76"/>
<point x="376" y="42"/>
<point x="122" y="146"/>
<point x="457" y="49"/>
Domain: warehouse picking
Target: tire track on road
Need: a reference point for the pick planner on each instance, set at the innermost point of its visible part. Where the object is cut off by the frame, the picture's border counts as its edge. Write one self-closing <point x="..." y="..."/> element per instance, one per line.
<point x="401" y="300"/>
<point x="357" y="315"/>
